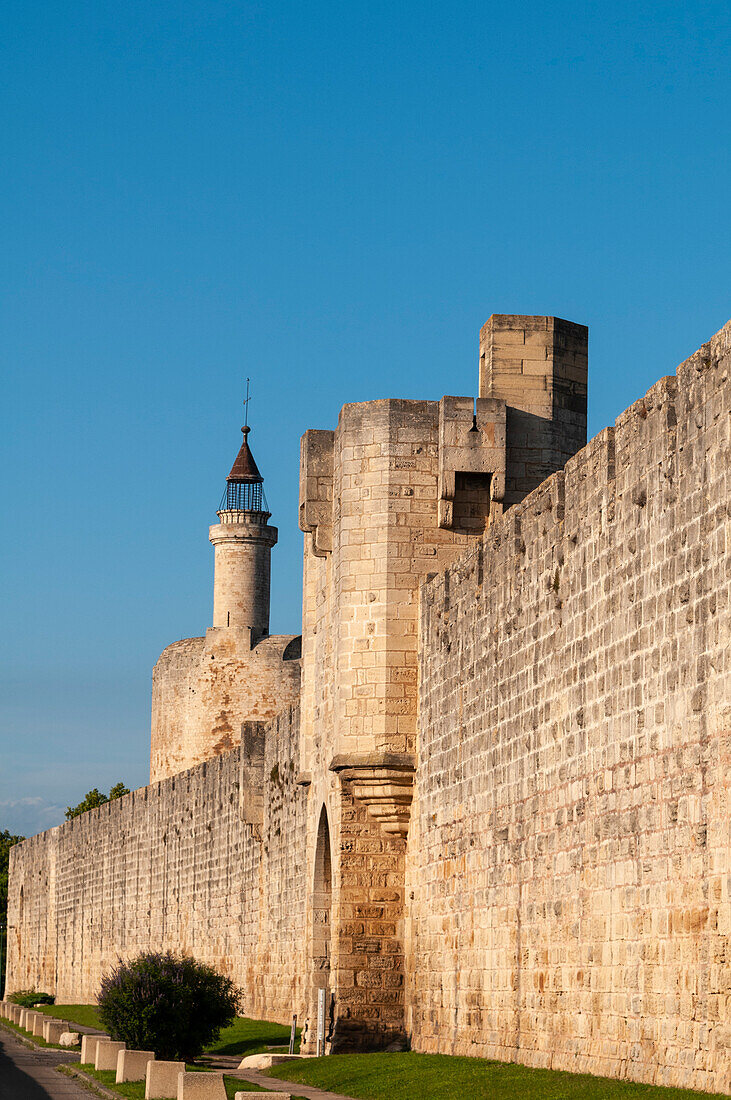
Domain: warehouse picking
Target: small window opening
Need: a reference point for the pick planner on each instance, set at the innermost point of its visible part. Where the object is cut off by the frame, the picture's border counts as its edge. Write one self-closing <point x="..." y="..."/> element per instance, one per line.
<point x="471" y="502"/>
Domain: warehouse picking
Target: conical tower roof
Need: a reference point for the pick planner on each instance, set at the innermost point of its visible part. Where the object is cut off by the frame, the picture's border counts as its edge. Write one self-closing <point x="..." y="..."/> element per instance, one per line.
<point x="245" y="486"/>
<point x="245" y="468"/>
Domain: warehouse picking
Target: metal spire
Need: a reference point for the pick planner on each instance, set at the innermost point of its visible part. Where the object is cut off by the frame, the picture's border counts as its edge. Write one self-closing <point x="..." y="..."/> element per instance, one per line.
<point x="246" y="402"/>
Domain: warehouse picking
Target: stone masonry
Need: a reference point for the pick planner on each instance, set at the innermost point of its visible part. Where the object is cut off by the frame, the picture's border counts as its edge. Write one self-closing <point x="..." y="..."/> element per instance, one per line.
<point x="493" y="818"/>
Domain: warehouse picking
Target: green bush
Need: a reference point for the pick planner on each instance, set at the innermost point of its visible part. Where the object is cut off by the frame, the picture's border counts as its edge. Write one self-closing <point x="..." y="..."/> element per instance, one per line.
<point x="29" y="997"/>
<point x="167" y="1003"/>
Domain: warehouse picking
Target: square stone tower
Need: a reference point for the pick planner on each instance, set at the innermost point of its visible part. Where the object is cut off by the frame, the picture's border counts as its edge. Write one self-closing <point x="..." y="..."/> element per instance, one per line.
<point x="392" y="494"/>
<point x="538" y="366"/>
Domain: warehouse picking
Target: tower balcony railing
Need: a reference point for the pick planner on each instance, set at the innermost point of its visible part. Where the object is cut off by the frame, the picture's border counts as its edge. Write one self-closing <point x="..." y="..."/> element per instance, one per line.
<point x="242" y="515"/>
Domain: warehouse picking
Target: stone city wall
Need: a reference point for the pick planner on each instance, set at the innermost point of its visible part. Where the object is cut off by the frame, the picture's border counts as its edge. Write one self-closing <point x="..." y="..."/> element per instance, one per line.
<point x="172" y="866"/>
<point x="569" y="858"/>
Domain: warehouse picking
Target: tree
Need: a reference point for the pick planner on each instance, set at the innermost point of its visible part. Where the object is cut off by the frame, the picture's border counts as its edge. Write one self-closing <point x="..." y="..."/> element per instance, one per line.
<point x="7" y="840"/>
<point x="167" y="1003"/>
<point x="95" y="798"/>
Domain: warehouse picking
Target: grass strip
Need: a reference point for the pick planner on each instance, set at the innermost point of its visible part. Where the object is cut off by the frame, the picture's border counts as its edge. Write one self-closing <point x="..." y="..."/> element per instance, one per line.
<point x="135" y="1090"/>
<point x="445" y="1077"/>
<point x="244" y="1036"/>
<point x="84" y="1015"/>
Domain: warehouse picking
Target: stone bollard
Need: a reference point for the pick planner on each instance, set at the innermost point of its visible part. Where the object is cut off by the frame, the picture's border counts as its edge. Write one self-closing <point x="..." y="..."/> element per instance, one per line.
<point x="132" y="1065"/>
<point x="106" y="1054"/>
<point x="22" y="1017"/>
<point x="39" y="1022"/>
<point x="55" y="1029"/>
<point x="88" y="1047"/>
<point x="161" y="1079"/>
<point x="201" y="1086"/>
<point x="69" y="1039"/>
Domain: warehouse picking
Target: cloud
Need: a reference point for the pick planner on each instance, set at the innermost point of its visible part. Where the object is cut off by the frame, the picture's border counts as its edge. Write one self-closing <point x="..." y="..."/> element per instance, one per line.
<point x="27" y="816"/>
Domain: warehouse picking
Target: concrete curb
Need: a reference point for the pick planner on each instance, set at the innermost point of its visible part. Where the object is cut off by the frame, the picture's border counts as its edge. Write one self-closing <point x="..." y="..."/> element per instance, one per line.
<point x="88" y="1082"/>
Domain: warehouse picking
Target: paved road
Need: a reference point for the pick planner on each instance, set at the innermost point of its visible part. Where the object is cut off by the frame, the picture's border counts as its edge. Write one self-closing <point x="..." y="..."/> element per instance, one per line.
<point x="30" y="1074"/>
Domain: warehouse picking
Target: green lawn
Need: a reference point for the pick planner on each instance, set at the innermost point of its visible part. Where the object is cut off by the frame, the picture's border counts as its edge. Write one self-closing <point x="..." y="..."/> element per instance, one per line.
<point x="442" y="1077"/>
<point x="86" y="1015"/>
<point x="246" y="1036"/>
<point x="135" y="1090"/>
<point x="243" y="1037"/>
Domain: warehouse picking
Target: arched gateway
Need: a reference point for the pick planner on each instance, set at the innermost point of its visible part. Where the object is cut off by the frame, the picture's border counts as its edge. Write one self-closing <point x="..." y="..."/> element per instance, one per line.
<point x="321" y="936"/>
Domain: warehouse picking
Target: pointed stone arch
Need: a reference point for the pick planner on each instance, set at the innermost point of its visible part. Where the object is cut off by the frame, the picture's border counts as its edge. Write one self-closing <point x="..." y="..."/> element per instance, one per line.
<point x="322" y="905"/>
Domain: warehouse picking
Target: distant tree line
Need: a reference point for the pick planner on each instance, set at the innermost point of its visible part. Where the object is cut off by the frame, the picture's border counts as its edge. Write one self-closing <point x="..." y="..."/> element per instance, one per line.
<point x="95" y="798"/>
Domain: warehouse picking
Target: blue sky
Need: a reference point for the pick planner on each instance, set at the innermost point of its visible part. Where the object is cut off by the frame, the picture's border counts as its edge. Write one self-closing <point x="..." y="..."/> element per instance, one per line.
<point x="330" y="198"/>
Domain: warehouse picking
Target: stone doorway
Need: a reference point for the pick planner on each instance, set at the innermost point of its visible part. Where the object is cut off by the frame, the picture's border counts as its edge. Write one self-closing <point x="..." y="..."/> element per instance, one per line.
<point x="321" y="929"/>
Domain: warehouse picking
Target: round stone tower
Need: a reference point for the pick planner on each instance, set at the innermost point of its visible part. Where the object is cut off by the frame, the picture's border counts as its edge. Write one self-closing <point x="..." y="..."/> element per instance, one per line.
<point x="204" y="689"/>
<point x="243" y="542"/>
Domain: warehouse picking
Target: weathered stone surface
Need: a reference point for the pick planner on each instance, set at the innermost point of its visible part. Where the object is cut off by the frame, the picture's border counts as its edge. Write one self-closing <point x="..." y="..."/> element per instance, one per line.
<point x="88" y="1047"/>
<point x="201" y="1086"/>
<point x="105" y="1054"/>
<point x="266" y="1061"/>
<point x="69" y="1039"/>
<point x="54" y="1029"/>
<point x="567" y="867"/>
<point x="132" y="1064"/>
<point x="538" y="366"/>
<point x="203" y="688"/>
<point x="161" y="1079"/>
<point x="247" y="1095"/>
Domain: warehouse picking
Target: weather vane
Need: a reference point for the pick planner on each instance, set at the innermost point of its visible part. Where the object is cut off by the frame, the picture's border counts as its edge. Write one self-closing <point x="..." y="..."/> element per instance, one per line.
<point x="246" y="403"/>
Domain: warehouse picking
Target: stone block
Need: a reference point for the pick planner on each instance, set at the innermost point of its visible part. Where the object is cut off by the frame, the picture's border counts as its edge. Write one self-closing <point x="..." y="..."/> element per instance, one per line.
<point x="88" y="1047"/>
<point x="39" y="1022"/>
<point x="69" y="1039"/>
<point x="161" y="1079"/>
<point x="132" y="1065"/>
<point x="278" y="1095"/>
<point x="106" y="1054"/>
<point x="54" y="1029"/>
<point x="201" y="1086"/>
<point x="266" y="1061"/>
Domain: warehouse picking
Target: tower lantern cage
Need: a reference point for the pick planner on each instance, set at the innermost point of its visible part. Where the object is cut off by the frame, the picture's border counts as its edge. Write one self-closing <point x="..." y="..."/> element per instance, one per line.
<point x="245" y="486"/>
<point x="244" y="496"/>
